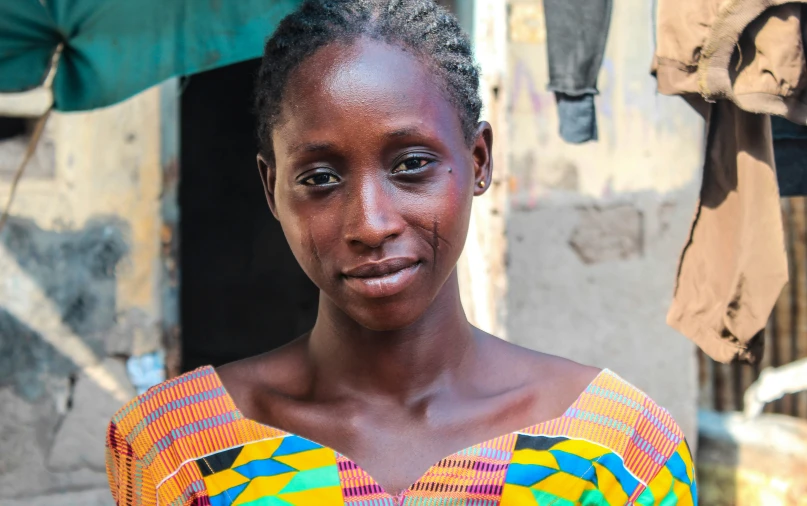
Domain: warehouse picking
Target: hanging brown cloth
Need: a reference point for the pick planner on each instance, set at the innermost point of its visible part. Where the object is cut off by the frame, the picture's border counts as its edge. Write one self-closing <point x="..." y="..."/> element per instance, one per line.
<point x="735" y="61"/>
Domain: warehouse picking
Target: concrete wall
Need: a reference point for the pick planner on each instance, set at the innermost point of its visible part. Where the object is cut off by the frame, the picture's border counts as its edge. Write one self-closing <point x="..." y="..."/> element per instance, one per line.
<point x="594" y="230"/>
<point x="481" y="268"/>
<point x="79" y="296"/>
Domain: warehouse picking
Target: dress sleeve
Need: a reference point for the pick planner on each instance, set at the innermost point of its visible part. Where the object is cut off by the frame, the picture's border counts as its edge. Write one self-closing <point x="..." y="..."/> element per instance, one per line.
<point x="130" y="481"/>
<point x="675" y="482"/>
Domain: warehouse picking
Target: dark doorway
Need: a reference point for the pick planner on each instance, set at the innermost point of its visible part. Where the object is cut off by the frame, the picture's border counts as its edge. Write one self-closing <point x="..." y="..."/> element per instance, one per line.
<point x="242" y="292"/>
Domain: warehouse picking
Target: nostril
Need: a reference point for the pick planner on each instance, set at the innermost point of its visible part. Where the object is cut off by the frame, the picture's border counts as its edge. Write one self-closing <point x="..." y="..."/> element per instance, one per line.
<point x="372" y="216"/>
<point x="370" y="238"/>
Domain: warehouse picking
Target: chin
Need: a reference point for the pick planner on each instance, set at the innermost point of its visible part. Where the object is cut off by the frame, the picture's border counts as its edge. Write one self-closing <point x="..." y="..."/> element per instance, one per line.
<point x="386" y="318"/>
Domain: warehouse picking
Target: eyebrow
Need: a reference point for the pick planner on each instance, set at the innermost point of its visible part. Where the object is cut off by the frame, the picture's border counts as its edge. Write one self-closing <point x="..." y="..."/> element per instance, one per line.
<point x="404" y="132"/>
<point x="311" y="147"/>
<point x="317" y="147"/>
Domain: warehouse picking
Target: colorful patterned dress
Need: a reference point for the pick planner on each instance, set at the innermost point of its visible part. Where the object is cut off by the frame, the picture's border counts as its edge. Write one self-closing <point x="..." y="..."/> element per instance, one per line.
<point x="184" y="443"/>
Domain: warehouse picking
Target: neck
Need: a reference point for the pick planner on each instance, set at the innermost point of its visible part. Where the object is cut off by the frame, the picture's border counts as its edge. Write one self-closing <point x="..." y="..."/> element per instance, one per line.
<point x="404" y="364"/>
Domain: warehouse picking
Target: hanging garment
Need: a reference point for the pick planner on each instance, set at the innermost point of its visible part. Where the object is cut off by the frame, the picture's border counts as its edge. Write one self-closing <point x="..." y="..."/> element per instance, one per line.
<point x="576" y="32"/>
<point x="748" y="51"/>
<point x="748" y="57"/>
<point x="734" y="264"/>
<point x="185" y="443"/>
<point x="790" y="151"/>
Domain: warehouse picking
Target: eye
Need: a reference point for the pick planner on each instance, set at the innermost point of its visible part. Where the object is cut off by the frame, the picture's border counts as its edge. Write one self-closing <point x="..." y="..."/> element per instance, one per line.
<point x="412" y="163"/>
<point x="321" y="179"/>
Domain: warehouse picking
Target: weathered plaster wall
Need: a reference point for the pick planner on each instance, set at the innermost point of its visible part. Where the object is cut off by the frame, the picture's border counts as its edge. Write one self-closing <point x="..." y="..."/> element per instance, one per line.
<point x="79" y="295"/>
<point x="481" y="268"/>
<point x="594" y="230"/>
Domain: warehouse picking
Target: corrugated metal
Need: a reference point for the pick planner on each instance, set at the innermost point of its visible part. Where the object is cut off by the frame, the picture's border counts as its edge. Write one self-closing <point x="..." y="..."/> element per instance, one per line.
<point x="722" y="386"/>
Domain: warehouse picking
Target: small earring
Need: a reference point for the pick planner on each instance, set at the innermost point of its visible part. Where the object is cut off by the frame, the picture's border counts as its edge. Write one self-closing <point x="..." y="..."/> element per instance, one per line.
<point x="450" y="169"/>
<point x="481" y="184"/>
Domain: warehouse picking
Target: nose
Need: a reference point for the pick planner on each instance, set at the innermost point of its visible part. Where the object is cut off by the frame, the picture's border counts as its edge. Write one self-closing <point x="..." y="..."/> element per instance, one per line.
<point x="371" y="215"/>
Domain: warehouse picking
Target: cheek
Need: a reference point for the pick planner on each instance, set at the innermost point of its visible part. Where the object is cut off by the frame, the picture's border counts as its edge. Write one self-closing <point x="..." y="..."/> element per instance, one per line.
<point x="458" y="214"/>
<point x="443" y="216"/>
<point x="310" y="236"/>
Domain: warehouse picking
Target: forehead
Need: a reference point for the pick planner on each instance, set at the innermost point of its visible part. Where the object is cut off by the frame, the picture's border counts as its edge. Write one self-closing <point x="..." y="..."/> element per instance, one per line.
<point x="367" y="82"/>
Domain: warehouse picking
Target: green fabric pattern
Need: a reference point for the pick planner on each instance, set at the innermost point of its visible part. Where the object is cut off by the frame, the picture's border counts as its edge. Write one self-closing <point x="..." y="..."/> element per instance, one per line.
<point x="114" y="49"/>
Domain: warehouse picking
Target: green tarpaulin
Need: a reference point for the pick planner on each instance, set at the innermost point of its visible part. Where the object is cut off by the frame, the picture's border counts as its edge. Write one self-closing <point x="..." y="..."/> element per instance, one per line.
<point x="113" y="49"/>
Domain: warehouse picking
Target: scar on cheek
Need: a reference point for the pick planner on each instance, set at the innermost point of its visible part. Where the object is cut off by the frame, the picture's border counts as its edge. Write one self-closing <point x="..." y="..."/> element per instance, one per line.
<point x="312" y="245"/>
<point x="436" y="238"/>
<point x="435" y="241"/>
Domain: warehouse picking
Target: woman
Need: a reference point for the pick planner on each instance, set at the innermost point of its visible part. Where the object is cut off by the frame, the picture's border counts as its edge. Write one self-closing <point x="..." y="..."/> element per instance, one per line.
<point x="371" y="153"/>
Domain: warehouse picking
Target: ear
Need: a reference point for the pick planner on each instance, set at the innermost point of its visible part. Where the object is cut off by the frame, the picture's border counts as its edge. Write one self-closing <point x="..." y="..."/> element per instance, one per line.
<point x="268" y="172"/>
<point x="482" y="152"/>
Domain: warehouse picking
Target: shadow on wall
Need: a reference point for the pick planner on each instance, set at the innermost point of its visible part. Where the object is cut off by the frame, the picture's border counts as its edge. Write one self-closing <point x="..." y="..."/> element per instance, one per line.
<point x="26" y="359"/>
<point x="76" y="270"/>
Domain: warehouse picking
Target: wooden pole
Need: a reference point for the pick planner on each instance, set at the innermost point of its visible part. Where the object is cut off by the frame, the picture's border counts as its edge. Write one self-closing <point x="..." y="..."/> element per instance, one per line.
<point x="29" y="152"/>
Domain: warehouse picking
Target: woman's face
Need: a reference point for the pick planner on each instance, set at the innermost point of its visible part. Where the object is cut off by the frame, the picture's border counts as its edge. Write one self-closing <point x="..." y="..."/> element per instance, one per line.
<point x="372" y="180"/>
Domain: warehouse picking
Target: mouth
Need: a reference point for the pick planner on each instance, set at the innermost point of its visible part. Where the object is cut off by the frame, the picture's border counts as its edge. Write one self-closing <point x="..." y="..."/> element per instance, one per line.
<point x="382" y="279"/>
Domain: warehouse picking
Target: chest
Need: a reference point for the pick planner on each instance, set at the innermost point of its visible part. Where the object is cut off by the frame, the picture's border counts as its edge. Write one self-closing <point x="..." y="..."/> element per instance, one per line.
<point x="398" y="450"/>
<point x="595" y="453"/>
<point x="515" y="469"/>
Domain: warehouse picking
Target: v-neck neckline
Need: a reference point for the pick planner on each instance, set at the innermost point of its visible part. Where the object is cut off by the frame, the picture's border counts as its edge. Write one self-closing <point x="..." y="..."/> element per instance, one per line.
<point x="399" y="498"/>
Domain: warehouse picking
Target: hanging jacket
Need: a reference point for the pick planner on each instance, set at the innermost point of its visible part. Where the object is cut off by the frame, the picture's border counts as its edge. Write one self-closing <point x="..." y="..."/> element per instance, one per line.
<point x="735" y="61"/>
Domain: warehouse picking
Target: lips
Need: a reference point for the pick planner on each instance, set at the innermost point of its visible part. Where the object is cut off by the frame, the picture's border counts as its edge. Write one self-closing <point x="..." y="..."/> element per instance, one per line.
<point x="382" y="279"/>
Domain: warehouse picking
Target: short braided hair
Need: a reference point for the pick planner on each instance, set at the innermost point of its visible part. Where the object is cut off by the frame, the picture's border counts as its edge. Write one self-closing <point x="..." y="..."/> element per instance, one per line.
<point x="417" y="26"/>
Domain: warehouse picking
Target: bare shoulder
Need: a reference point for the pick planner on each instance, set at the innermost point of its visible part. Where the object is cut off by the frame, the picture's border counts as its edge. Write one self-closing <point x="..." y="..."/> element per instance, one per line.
<point x="560" y="373"/>
<point x="556" y="381"/>
<point x="283" y="372"/>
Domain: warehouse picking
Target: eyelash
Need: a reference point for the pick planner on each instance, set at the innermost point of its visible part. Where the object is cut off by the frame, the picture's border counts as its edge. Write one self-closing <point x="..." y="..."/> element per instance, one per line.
<point x="413" y="157"/>
<point x="307" y="181"/>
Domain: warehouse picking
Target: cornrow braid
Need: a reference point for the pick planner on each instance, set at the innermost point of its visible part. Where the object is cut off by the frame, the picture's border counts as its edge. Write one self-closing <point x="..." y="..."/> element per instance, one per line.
<point x="418" y="26"/>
